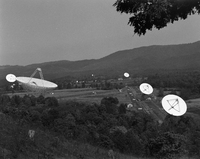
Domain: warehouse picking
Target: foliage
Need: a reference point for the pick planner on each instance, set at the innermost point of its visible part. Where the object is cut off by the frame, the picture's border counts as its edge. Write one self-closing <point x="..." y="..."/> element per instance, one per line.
<point x="4" y="100"/>
<point x="40" y="99"/>
<point x="110" y="104"/>
<point x="185" y="82"/>
<point x="51" y="102"/>
<point x="65" y="126"/>
<point x="122" y="109"/>
<point x="182" y="124"/>
<point x="167" y="145"/>
<point x="148" y="14"/>
<point x="15" y="140"/>
<point x="133" y="133"/>
<point x="134" y="143"/>
<point x="28" y="101"/>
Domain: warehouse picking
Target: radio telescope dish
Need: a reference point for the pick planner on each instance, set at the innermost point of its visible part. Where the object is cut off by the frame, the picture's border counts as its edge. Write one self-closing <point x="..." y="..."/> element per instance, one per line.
<point x="126" y="74"/>
<point x="146" y="88"/>
<point x="33" y="84"/>
<point x="174" y="105"/>
<point x="11" y="78"/>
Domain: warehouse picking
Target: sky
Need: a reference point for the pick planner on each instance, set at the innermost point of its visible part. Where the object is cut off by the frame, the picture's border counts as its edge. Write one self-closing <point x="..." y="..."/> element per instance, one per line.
<point x="36" y="31"/>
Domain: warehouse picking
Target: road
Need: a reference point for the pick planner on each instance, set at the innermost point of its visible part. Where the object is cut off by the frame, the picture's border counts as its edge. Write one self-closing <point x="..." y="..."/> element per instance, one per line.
<point x="150" y="107"/>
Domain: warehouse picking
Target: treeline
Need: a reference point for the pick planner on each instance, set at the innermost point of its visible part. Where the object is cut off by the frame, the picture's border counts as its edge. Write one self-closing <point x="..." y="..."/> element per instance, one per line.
<point x="189" y="80"/>
<point x="107" y="125"/>
<point x="186" y="82"/>
<point x="100" y="85"/>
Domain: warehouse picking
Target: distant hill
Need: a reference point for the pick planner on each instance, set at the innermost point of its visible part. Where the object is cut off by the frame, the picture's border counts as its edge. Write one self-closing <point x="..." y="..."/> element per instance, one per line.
<point x="135" y="61"/>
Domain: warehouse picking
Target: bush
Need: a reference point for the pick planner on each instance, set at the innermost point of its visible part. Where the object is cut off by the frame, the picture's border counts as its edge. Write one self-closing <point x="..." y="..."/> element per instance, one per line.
<point x="51" y="102"/>
<point x="4" y="100"/>
<point x="106" y="142"/>
<point x="167" y="144"/>
<point x="110" y="104"/>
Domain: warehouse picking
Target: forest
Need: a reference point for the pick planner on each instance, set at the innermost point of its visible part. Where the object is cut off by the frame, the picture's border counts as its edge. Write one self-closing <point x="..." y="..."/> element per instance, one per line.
<point x="186" y="82"/>
<point x="107" y="125"/>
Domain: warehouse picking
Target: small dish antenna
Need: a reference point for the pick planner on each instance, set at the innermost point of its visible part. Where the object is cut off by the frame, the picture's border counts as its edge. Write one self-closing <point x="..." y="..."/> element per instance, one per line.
<point x="146" y="88"/>
<point x="174" y="105"/>
<point x="11" y="78"/>
<point x="130" y="105"/>
<point x="126" y="74"/>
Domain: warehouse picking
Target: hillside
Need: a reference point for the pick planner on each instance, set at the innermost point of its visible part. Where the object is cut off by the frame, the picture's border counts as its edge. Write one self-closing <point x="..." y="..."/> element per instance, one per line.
<point x="86" y="130"/>
<point x="138" y="60"/>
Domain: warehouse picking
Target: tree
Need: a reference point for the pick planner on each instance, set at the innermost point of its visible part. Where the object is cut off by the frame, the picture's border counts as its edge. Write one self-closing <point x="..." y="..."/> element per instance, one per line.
<point x="185" y="93"/>
<point x="65" y="126"/>
<point x="168" y="145"/>
<point x="27" y="101"/>
<point x="15" y="100"/>
<point x="134" y="143"/>
<point x="34" y="116"/>
<point x="110" y="104"/>
<point x="105" y="141"/>
<point x="161" y="92"/>
<point x="4" y="99"/>
<point x="147" y="14"/>
<point x="33" y="100"/>
<point x="40" y="99"/>
<point x="48" y="116"/>
<point x="51" y="102"/>
<point x="119" y="140"/>
<point x="122" y="109"/>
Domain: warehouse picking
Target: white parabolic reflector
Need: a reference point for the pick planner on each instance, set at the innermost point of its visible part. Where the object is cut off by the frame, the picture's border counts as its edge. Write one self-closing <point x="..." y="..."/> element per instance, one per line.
<point x="174" y="105"/>
<point x="35" y="84"/>
<point x="146" y="88"/>
<point x="126" y="74"/>
<point x="11" y="78"/>
<point x="130" y="105"/>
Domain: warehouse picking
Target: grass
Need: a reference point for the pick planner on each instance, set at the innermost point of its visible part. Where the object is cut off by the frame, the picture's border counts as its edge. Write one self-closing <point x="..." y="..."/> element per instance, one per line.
<point x="83" y="94"/>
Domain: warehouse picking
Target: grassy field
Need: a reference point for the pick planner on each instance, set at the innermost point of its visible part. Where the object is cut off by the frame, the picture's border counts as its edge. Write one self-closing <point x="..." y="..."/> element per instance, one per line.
<point x="82" y="94"/>
<point x="91" y="95"/>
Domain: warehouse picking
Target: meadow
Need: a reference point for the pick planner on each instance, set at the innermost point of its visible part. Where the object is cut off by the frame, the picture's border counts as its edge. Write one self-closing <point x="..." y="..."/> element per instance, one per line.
<point x="91" y="95"/>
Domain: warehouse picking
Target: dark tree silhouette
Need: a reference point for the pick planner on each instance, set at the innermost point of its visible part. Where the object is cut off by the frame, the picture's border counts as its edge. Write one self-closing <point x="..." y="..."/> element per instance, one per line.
<point x="147" y="14"/>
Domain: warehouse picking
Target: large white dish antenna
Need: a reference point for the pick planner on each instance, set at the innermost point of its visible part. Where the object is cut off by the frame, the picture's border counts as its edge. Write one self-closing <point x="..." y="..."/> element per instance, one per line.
<point x="35" y="84"/>
<point x="126" y="74"/>
<point x="174" y="105"/>
<point x="146" y="88"/>
<point x="11" y="78"/>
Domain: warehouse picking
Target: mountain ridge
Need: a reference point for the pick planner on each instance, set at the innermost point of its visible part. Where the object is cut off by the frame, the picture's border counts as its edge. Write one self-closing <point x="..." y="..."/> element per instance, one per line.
<point x="136" y="60"/>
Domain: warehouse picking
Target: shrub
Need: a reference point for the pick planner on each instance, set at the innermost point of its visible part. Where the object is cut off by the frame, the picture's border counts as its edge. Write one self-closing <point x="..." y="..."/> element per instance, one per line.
<point x="51" y="102"/>
<point x="167" y="144"/>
